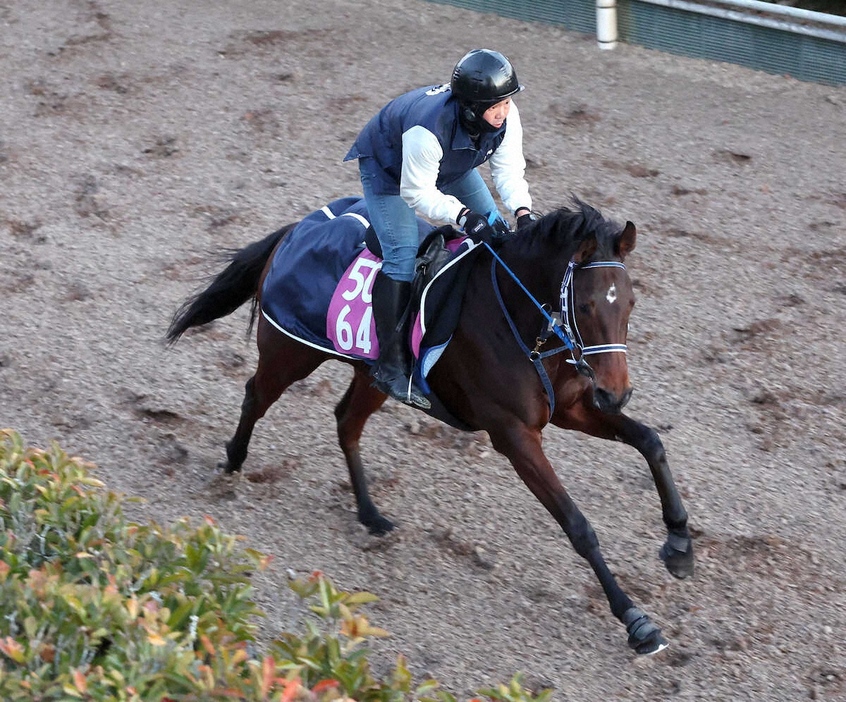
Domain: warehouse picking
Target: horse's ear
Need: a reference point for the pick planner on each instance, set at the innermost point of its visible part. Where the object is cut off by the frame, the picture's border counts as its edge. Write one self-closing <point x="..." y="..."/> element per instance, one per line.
<point x="628" y="240"/>
<point x="586" y="250"/>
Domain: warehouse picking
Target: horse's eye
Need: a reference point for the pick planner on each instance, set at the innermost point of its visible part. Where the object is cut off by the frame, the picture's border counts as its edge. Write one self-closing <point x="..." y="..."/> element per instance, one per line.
<point x="584" y="308"/>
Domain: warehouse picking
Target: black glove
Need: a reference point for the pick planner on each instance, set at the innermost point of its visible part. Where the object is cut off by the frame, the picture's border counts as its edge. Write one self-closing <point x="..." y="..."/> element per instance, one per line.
<point x="501" y="229"/>
<point x="475" y="226"/>
<point x="525" y="219"/>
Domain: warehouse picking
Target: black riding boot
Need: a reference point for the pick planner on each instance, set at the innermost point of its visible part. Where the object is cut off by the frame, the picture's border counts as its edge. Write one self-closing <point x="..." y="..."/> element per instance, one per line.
<point x="393" y="367"/>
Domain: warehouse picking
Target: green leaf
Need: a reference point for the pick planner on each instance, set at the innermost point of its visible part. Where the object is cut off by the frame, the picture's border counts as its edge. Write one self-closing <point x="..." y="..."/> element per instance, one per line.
<point x="360" y="598"/>
<point x="93" y="593"/>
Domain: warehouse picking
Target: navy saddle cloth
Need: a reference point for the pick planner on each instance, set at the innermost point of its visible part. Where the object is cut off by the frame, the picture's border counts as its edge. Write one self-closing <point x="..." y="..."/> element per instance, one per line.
<point x="318" y="287"/>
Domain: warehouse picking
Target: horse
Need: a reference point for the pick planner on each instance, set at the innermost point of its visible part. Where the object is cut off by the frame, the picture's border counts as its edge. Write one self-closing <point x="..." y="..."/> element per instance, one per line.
<point x="513" y="365"/>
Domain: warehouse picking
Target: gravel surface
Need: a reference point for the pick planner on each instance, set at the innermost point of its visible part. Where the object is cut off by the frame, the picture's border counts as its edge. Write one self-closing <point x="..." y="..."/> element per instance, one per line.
<point x="136" y="139"/>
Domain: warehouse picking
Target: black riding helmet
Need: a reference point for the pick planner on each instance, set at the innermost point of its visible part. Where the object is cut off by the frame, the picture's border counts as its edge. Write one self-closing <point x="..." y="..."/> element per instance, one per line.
<point x="481" y="79"/>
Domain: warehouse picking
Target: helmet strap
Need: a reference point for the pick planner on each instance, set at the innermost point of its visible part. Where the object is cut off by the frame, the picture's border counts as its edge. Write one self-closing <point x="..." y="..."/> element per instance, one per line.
<point x="473" y="120"/>
<point x="485" y="126"/>
<point x="469" y="120"/>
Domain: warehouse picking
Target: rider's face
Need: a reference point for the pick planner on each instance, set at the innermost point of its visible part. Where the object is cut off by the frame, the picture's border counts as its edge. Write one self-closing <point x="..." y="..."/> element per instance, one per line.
<point x="495" y="115"/>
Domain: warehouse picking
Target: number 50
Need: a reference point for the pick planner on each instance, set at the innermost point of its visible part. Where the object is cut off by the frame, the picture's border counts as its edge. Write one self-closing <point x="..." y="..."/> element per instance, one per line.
<point x="362" y="275"/>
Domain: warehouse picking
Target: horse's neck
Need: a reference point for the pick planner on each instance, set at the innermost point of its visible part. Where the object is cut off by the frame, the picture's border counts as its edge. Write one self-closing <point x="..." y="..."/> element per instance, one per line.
<point x="538" y="268"/>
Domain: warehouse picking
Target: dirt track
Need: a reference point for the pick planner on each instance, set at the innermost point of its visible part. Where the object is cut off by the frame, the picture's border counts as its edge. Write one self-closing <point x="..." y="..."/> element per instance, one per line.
<point x="135" y="138"/>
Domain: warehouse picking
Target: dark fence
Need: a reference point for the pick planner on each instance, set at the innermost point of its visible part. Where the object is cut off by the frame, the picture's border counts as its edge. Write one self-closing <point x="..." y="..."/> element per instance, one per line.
<point x="806" y="45"/>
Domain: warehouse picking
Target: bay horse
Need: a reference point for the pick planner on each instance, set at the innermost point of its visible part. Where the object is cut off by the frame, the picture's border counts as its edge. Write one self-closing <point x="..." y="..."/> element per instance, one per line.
<point x="514" y="364"/>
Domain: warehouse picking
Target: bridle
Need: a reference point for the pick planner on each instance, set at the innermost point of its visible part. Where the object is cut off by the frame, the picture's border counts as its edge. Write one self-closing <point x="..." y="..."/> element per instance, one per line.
<point x="574" y="337"/>
<point x="562" y="324"/>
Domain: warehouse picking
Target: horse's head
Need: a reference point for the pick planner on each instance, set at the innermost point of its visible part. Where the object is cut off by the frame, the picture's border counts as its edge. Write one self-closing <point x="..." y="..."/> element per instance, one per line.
<point x="596" y="296"/>
<point x="577" y="255"/>
<point x="597" y="302"/>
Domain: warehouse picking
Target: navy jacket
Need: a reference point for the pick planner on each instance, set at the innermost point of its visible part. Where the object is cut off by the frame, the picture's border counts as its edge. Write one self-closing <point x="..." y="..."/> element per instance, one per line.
<point x="434" y="109"/>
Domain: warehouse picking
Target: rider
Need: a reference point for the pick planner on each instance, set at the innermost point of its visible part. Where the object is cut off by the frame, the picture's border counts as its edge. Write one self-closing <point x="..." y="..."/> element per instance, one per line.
<point x="420" y="153"/>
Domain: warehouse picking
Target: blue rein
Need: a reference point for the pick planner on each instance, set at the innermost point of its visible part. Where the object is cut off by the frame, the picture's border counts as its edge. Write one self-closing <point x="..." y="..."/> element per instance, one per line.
<point x="567" y="333"/>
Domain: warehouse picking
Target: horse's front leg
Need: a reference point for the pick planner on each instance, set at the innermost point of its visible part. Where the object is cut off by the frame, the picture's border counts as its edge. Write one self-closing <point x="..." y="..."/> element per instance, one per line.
<point x="677" y="551"/>
<point x="522" y="446"/>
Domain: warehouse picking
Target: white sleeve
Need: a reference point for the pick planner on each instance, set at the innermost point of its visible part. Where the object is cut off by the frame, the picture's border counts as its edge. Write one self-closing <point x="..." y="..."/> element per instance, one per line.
<point x="421" y="162"/>
<point x="508" y="166"/>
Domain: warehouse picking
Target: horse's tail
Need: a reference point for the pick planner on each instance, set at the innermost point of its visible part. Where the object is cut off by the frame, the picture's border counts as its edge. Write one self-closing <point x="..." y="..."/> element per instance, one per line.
<point x="230" y="289"/>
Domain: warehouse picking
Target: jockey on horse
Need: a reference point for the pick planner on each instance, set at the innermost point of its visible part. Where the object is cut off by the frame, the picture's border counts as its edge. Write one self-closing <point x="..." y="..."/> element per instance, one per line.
<point x="419" y="154"/>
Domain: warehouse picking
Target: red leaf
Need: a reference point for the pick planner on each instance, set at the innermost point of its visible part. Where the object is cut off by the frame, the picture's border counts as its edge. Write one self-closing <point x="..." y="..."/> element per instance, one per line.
<point x="325" y="685"/>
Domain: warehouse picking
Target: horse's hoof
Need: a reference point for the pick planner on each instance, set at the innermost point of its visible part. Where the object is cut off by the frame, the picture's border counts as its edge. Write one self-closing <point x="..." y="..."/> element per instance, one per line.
<point x="677" y="554"/>
<point x="644" y="636"/>
<point x="378" y="525"/>
<point x="228" y="468"/>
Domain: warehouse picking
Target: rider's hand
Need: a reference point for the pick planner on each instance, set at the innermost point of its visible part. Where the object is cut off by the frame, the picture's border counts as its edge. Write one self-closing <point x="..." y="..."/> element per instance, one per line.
<point x="501" y="229"/>
<point x="525" y="219"/>
<point x="475" y="226"/>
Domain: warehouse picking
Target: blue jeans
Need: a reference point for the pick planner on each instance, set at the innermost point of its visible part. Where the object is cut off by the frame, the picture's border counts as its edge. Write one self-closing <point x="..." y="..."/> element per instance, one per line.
<point x="395" y="223"/>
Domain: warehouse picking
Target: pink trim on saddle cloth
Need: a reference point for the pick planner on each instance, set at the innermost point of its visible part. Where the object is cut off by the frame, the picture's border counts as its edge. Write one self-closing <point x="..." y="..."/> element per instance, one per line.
<point x="349" y="319"/>
<point x="417" y="334"/>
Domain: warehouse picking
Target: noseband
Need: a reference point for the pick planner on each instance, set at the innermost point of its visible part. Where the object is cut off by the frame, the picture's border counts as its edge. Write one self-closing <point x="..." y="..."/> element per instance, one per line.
<point x="563" y="324"/>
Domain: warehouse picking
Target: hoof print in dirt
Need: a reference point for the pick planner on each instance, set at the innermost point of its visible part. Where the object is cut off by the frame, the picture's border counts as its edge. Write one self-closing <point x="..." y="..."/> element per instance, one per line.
<point x="224" y="486"/>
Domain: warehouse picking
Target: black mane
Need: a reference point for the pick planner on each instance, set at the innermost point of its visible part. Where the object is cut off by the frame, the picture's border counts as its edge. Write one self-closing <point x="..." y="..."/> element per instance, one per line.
<point x="572" y="224"/>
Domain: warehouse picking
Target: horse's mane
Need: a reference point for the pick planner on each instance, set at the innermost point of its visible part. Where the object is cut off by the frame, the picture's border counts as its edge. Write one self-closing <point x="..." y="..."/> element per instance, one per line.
<point x="572" y="224"/>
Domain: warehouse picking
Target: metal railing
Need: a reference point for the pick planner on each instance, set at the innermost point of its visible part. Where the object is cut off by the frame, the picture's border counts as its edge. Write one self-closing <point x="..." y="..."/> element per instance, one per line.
<point x="767" y="14"/>
<point x="765" y="36"/>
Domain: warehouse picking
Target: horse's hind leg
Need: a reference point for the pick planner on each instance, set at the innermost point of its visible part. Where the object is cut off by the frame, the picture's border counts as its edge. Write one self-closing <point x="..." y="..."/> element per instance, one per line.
<point x="360" y="401"/>
<point x="282" y="361"/>
<point x="522" y="446"/>
<point x="236" y="447"/>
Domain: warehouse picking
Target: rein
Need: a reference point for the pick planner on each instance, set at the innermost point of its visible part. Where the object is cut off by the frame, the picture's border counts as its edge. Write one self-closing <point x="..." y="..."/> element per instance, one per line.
<point x="558" y="324"/>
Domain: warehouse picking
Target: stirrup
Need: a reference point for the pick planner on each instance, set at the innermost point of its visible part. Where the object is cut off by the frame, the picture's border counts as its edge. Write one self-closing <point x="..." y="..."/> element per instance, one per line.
<point x="414" y="397"/>
<point x="402" y="389"/>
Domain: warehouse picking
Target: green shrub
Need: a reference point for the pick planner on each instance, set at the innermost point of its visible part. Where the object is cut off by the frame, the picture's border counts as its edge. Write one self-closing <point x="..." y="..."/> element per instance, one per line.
<point x="94" y="607"/>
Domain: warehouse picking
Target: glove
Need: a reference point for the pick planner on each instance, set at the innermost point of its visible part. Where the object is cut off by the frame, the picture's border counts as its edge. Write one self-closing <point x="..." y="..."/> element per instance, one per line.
<point x="501" y="229"/>
<point x="525" y="219"/>
<point x="475" y="226"/>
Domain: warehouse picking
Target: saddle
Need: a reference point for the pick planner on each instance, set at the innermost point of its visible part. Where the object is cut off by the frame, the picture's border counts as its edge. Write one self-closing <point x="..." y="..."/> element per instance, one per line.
<point x="437" y="293"/>
<point x="432" y="256"/>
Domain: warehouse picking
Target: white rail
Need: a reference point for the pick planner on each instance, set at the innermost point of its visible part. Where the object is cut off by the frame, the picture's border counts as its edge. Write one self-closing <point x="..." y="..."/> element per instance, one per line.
<point x="785" y="11"/>
<point x="806" y="15"/>
<point x="824" y="26"/>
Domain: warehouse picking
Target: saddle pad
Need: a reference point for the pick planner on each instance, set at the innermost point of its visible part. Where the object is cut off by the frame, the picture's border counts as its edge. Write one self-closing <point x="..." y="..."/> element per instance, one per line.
<point x="317" y="289"/>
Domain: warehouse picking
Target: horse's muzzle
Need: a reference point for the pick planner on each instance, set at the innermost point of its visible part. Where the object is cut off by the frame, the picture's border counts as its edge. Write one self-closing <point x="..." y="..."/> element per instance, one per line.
<point x="609" y="402"/>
